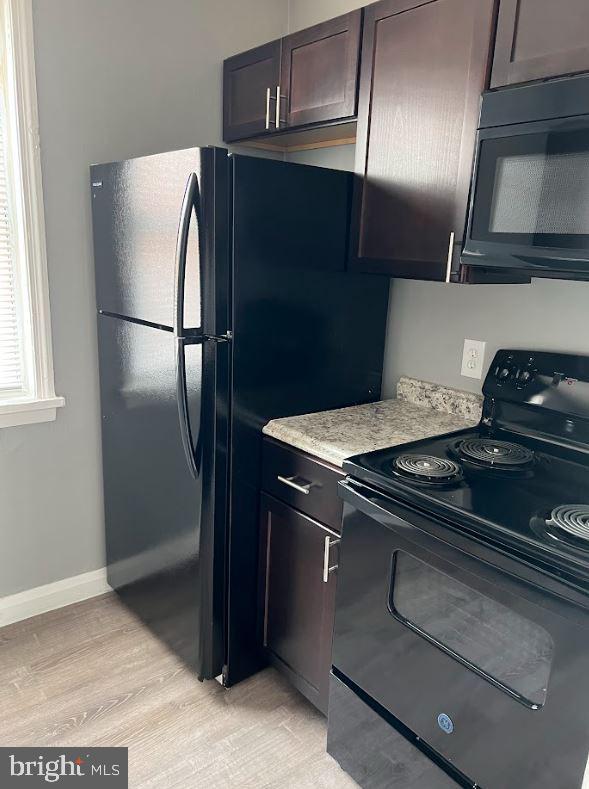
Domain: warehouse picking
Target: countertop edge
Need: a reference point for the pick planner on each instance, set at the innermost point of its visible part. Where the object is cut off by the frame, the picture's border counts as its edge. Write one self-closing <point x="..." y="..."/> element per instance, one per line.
<point x="431" y="422"/>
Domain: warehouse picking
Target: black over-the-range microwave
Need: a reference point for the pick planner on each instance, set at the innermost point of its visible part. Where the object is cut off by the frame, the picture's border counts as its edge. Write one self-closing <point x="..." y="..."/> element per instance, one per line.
<point x="529" y="202"/>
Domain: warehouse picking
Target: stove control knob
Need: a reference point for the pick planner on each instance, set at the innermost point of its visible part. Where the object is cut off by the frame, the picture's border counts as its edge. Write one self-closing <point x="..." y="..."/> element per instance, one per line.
<point x="503" y="373"/>
<point x="525" y="377"/>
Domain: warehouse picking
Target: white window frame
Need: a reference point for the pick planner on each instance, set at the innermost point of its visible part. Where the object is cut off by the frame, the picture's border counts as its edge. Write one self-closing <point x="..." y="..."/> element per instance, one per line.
<point x="39" y="403"/>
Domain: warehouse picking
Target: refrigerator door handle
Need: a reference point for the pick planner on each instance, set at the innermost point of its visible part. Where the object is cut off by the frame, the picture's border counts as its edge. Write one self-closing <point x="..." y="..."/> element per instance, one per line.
<point x="190" y="202"/>
<point x="191" y="450"/>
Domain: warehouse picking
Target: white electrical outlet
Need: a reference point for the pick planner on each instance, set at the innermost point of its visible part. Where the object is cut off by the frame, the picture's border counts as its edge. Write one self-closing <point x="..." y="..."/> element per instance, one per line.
<point x="473" y="358"/>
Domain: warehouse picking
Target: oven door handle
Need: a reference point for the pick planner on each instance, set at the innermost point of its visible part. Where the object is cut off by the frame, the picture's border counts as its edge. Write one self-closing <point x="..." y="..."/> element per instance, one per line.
<point x="369" y="502"/>
<point x="438" y="549"/>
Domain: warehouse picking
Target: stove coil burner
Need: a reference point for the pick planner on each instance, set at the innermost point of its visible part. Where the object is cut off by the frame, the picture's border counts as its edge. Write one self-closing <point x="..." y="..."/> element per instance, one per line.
<point x="497" y="454"/>
<point x="572" y="519"/>
<point x="427" y="468"/>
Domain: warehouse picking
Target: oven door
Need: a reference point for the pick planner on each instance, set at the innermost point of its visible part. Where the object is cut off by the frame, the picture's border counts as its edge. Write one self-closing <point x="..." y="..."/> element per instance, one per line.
<point x="487" y="669"/>
<point x="530" y="198"/>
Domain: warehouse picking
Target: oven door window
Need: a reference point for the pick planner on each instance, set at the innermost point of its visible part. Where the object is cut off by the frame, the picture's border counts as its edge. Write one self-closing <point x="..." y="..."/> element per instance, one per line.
<point x="533" y="190"/>
<point x="510" y="651"/>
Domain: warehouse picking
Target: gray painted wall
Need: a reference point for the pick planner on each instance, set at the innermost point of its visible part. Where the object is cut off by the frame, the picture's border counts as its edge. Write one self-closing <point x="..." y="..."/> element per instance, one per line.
<point x="304" y="13"/>
<point x="115" y="78"/>
<point x="428" y="322"/>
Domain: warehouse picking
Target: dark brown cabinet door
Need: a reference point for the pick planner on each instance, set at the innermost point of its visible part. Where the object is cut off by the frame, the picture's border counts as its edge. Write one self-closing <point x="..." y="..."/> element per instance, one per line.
<point x="298" y="597"/>
<point x="319" y="74"/>
<point x="250" y="81"/>
<point x="423" y="69"/>
<point x="540" y="38"/>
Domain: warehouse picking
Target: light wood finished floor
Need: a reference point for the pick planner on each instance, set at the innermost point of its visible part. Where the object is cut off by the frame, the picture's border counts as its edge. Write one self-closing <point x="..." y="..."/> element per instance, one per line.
<point x="91" y="674"/>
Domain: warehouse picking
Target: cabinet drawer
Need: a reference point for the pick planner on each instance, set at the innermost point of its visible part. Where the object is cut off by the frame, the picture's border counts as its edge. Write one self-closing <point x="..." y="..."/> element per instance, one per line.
<point x="303" y="482"/>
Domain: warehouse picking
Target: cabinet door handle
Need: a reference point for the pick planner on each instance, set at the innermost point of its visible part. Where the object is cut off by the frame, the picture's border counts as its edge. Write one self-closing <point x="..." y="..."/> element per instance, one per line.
<point x="450" y="252"/>
<point x="327" y="546"/>
<point x="267" y="108"/>
<point x="278" y="106"/>
<point x="290" y="481"/>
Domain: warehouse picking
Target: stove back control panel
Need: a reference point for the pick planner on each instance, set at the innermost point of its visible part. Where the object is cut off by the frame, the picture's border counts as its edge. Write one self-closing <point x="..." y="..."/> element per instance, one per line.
<point x="540" y="379"/>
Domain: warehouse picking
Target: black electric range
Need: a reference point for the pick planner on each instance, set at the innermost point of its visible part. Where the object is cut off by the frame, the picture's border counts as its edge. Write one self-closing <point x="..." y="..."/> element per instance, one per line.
<point x="462" y="613"/>
<point x="512" y="490"/>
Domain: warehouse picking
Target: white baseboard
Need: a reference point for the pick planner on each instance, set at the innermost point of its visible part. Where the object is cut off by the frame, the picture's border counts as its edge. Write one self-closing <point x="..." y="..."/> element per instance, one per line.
<point x="31" y="602"/>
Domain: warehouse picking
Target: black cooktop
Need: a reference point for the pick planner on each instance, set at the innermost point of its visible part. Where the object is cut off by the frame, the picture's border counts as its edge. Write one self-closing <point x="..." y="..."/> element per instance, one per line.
<point x="501" y="486"/>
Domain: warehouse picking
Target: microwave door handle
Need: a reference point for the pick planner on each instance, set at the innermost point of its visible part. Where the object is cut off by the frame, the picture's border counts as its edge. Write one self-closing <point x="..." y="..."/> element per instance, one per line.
<point x="190" y="201"/>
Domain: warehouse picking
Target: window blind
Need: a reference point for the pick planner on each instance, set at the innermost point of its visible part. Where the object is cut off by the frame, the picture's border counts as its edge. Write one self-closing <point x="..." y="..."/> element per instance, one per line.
<point x="27" y="389"/>
<point x="11" y="355"/>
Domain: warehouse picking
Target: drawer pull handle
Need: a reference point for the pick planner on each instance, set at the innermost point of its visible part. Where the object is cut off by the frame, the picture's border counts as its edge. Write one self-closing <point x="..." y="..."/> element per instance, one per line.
<point x="327" y="546"/>
<point x="290" y="481"/>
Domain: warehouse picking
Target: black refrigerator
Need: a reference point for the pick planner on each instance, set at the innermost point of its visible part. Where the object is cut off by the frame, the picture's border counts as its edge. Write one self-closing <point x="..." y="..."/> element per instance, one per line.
<point x="223" y="302"/>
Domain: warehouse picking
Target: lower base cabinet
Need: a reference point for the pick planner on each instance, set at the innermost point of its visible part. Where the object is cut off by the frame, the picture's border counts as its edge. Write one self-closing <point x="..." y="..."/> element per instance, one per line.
<point x="297" y="596"/>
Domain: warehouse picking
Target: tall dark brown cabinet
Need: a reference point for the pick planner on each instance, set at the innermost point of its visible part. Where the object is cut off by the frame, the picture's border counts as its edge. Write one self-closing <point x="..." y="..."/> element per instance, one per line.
<point x="537" y="39"/>
<point x="424" y="66"/>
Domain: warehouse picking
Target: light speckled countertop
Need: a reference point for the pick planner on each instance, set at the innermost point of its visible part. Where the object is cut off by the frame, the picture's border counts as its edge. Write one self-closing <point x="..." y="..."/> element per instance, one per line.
<point x="420" y="410"/>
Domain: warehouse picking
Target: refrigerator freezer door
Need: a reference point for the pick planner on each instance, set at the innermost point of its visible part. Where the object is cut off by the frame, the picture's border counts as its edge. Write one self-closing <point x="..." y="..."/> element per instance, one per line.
<point x="137" y="206"/>
<point x="163" y="526"/>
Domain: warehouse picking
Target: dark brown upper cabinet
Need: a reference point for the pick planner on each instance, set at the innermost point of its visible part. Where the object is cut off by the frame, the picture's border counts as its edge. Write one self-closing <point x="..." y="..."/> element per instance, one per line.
<point x="424" y="65"/>
<point x="319" y="76"/>
<point x="307" y="81"/>
<point x="250" y="81"/>
<point x="537" y="39"/>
